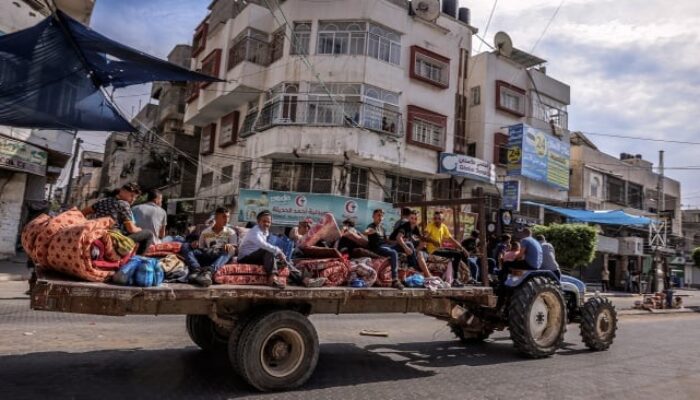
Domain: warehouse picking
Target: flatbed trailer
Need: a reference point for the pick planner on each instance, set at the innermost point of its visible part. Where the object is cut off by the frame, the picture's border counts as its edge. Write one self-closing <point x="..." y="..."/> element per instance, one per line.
<point x="265" y="331"/>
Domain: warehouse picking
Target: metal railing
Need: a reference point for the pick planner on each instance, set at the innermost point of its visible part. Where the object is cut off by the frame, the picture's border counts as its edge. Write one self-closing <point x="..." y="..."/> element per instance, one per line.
<point x="292" y="111"/>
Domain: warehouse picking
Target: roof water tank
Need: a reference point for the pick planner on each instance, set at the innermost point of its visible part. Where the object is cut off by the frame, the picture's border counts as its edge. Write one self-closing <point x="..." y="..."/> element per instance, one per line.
<point x="465" y="15"/>
<point x="449" y="7"/>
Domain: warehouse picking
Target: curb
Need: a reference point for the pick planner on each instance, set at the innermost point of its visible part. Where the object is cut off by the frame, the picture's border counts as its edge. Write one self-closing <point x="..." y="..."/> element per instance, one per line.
<point x="633" y="312"/>
<point x="13" y="277"/>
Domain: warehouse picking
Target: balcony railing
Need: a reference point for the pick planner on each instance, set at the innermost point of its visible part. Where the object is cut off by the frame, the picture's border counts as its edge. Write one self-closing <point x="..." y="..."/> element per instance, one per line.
<point x="291" y="111"/>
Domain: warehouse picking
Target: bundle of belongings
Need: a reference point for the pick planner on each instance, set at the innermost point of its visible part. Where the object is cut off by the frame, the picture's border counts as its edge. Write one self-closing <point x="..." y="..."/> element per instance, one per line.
<point x="84" y="249"/>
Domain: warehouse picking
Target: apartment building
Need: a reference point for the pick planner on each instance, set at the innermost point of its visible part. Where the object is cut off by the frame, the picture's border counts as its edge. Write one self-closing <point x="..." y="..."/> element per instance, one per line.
<point x="508" y="87"/>
<point x="86" y="184"/>
<point x="30" y="159"/>
<point x="353" y="99"/>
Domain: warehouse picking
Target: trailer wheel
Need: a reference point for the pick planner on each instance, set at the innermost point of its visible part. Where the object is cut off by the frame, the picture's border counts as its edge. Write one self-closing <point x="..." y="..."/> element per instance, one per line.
<point x="537" y="317"/>
<point x="598" y="323"/>
<point x="470" y="336"/>
<point x="235" y="338"/>
<point x="277" y="351"/>
<point x="205" y="334"/>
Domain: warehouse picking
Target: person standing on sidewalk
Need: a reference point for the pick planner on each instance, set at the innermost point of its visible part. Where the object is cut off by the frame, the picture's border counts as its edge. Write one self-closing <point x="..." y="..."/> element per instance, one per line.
<point x="604" y="280"/>
<point x="118" y="207"/>
<point x="150" y="215"/>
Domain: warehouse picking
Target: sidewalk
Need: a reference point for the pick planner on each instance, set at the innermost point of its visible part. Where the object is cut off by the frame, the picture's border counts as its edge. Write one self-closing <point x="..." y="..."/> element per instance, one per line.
<point x="624" y="302"/>
<point x="14" y="268"/>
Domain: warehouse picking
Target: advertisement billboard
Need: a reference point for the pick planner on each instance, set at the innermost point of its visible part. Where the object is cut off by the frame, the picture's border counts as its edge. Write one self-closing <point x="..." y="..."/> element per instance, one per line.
<point x="538" y="155"/>
<point x="288" y="208"/>
<point x="468" y="167"/>
<point x="511" y="196"/>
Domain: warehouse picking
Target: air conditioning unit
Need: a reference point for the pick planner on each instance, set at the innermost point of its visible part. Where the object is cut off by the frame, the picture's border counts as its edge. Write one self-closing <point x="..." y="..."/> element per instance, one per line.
<point x="631" y="246"/>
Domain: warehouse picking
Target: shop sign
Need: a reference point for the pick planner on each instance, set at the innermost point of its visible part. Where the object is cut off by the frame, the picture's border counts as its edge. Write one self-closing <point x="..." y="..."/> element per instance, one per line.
<point x="538" y="155"/>
<point x="468" y="167"/>
<point x="21" y="156"/>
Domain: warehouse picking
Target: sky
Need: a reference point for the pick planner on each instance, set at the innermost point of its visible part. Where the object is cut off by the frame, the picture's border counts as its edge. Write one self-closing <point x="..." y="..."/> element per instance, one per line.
<point x="632" y="65"/>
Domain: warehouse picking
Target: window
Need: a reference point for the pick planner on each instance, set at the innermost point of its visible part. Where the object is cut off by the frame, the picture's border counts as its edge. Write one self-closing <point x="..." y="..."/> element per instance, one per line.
<point x="359" y="183"/>
<point x="227" y="174"/>
<point x="635" y="196"/>
<point x="250" y="45"/>
<point x="245" y="174"/>
<point x="359" y="38"/>
<point x="430" y="67"/>
<point x="471" y="149"/>
<point x="384" y="44"/>
<point x="302" y="177"/>
<point x="381" y="110"/>
<point x="228" y="134"/>
<point x="615" y="190"/>
<point x="248" y="127"/>
<point x="403" y="189"/>
<point x="302" y="37"/>
<point x="595" y="186"/>
<point x="475" y="96"/>
<point x="199" y="42"/>
<point x="207" y="180"/>
<point x="277" y="45"/>
<point x="548" y="110"/>
<point x="207" y="141"/>
<point x="510" y="99"/>
<point x="281" y="106"/>
<point x="426" y="128"/>
<point x="500" y="148"/>
<point x="192" y="90"/>
<point x="445" y="189"/>
<point x="210" y="65"/>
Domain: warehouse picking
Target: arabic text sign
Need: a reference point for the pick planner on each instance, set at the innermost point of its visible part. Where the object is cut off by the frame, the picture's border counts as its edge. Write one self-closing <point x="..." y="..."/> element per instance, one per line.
<point x="288" y="208"/>
<point x="511" y="196"/>
<point x="538" y="155"/>
<point x="470" y="167"/>
<point x="21" y="156"/>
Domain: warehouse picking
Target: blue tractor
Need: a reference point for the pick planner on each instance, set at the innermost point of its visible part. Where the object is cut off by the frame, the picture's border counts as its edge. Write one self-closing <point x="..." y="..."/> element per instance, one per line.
<point x="536" y="306"/>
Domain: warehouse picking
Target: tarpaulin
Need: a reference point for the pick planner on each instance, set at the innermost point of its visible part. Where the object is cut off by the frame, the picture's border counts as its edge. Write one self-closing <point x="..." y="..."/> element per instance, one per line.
<point x="52" y="75"/>
<point x="604" y="217"/>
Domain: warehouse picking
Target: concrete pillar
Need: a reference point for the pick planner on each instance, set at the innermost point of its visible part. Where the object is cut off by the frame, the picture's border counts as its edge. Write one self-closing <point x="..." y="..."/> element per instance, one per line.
<point x="12" y="186"/>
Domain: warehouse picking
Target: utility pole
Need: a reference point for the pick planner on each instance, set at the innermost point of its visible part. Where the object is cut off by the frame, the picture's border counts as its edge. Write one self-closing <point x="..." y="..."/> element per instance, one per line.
<point x="76" y="150"/>
<point x="661" y="206"/>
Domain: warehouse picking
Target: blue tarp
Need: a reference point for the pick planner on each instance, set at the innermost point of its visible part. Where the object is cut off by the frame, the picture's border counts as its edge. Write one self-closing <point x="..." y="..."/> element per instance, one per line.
<point x="605" y="217"/>
<point x="52" y="75"/>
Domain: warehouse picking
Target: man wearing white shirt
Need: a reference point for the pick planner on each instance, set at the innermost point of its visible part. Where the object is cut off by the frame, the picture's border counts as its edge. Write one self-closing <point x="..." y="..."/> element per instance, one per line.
<point x="255" y="249"/>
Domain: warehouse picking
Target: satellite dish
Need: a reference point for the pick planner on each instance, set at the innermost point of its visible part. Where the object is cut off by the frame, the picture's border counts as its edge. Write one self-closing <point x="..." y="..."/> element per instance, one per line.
<point x="426" y="9"/>
<point x="503" y="43"/>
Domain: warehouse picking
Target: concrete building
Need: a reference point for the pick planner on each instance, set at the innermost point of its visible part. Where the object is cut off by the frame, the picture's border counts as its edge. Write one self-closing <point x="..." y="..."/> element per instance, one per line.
<point x="29" y="160"/>
<point x="600" y="181"/>
<point x="357" y="104"/>
<point x="506" y="89"/>
<point x="86" y="186"/>
<point x="691" y="235"/>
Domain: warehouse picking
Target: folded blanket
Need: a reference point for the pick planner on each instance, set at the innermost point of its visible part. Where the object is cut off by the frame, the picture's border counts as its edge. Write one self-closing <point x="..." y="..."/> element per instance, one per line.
<point x="53" y="227"/>
<point x="163" y="249"/>
<point x="31" y="232"/>
<point x="246" y="274"/>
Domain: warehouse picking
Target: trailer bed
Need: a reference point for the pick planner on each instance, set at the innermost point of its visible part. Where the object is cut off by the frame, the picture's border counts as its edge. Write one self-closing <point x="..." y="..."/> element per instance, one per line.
<point x="60" y="294"/>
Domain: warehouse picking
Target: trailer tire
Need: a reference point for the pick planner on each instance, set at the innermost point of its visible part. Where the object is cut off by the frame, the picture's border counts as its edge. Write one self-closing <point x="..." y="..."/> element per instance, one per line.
<point x="537" y="317"/>
<point x="235" y="338"/>
<point x="277" y="351"/>
<point x="598" y="323"/>
<point x="470" y="337"/>
<point x="203" y="332"/>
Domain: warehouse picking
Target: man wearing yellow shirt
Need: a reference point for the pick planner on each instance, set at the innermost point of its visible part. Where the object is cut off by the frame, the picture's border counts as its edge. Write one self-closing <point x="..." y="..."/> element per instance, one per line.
<point x="434" y="235"/>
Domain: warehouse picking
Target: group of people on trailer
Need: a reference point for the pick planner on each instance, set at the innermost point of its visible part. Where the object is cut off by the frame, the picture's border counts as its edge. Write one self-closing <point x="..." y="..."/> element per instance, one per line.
<point x="219" y="244"/>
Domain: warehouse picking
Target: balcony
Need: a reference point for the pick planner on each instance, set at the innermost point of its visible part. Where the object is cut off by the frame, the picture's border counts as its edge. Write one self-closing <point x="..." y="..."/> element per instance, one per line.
<point x="382" y="119"/>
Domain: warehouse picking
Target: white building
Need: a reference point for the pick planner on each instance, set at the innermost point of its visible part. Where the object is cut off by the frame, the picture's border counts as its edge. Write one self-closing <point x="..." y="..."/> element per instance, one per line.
<point x="23" y="180"/>
<point x="360" y="105"/>
<point x="509" y="88"/>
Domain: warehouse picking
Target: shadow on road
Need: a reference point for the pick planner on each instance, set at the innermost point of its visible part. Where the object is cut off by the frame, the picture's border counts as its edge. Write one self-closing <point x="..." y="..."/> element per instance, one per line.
<point x="175" y="373"/>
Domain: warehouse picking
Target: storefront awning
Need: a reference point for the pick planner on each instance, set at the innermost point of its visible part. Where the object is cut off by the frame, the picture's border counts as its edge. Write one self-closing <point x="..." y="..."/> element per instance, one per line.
<point x="603" y="217"/>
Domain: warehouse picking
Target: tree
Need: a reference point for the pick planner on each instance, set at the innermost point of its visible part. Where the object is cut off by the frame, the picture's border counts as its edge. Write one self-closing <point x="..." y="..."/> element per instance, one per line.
<point x="574" y="244"/>
<point x="696" y="256"/>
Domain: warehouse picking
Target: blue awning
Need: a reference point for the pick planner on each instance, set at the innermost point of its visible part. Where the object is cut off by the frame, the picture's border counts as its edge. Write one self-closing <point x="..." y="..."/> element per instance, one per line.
<point x="604" y="217"/>
<point x="52" y="76"/>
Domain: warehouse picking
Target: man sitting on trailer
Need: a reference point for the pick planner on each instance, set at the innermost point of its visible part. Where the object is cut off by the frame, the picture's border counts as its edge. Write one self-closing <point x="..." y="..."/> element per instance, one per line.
<point x="435" y="234"/>
<point x="215" y="247"/>
<point x="378" y="243"/>
<point x="255" y="249"/>
<point x="407" y="237"/>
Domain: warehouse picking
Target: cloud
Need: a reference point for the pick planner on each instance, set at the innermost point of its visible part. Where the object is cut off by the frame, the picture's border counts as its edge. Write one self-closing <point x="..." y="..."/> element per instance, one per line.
<point x="632" y="67"/>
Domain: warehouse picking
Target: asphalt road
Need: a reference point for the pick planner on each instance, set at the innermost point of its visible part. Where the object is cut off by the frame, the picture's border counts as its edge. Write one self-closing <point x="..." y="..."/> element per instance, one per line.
<point x="62" y="356"/>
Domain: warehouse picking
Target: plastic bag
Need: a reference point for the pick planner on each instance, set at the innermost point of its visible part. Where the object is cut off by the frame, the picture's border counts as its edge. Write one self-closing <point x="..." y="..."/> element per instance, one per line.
<point x="415" y="280"/>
